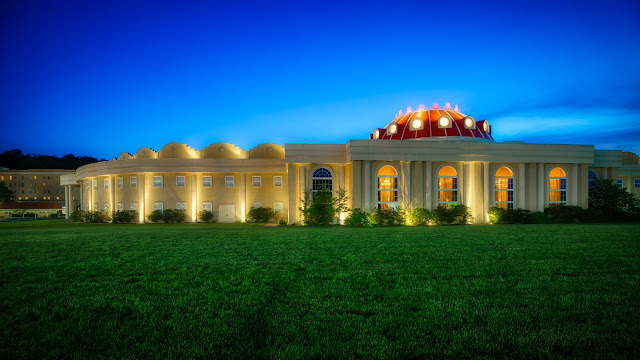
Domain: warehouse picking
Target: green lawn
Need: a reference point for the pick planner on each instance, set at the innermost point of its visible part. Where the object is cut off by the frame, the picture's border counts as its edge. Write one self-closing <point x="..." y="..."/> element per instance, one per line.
<point x="238" y="291"/>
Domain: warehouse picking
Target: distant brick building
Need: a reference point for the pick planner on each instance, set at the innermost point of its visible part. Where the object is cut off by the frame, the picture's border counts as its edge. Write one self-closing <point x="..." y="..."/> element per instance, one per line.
<point x="39" y="185"/>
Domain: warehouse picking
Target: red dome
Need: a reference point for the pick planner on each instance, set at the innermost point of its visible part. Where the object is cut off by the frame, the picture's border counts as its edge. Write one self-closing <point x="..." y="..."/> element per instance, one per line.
<point x="436" y="124"/>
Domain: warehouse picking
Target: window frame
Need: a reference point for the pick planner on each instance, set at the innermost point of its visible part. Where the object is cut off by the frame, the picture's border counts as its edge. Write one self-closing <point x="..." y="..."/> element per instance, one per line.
<point x="227" y="182"/>
<point x="106" y="184"/>
<point x="120" y="182"/>
<point x="133" y="206"/>
<point x="161" y="182"/>
<point x="254" y="182"/>
<point x="510" y="190"/>
<point x="206" y="204"/>
<point x="277" y="180"/>
<point x="275" y="208"/>
<point x="178" y="182"/>
<point x="158" y="205"/>
<point x="181" y="205"/>
<point x="395" y="190"/>
<point x="455" y="189"/>
<point x="133" y="182"/>
<point x="321" y="181"/>
<point x="204" y="184"/>
<point x="563" y="192"/>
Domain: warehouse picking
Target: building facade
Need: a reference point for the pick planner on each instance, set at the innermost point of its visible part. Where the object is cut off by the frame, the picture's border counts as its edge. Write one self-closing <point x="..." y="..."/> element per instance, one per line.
<point x="424" y="158"/>
<point x="38" y="185"/>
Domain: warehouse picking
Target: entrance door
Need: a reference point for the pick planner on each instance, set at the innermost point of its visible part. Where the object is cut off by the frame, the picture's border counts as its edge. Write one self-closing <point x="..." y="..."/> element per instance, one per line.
<point x="227" y="213"/>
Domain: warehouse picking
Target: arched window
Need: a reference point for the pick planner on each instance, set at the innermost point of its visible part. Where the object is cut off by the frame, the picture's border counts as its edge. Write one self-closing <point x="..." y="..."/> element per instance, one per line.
<point x="504" y="188"/>
<point x="592" y="178"/>
<point x="557" y="187"/>
<point x="321" y="179"/>
<point x="447" y="187"/>
<point x="387" y="188"/>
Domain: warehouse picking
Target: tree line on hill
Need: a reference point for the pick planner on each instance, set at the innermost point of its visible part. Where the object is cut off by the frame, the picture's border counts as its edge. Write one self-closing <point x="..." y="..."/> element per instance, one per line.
<point x="17" y="160"/>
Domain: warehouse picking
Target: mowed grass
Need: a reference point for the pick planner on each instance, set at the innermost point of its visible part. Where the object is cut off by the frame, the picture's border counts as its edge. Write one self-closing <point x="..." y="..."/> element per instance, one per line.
<point x="238" y="291"/>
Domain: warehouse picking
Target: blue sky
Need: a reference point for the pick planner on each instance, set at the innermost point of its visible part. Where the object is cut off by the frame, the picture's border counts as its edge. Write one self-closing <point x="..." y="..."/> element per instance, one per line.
<point x="99" y="78"/>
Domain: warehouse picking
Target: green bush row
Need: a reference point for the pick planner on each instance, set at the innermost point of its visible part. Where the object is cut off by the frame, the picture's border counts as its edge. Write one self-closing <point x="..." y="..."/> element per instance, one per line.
<point x="459" y="214"/>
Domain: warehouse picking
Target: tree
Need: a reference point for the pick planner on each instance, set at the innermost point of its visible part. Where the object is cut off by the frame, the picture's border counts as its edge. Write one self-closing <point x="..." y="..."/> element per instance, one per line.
<point x="618" y="203"/>
<point x="320" y="207"/>
<point x="6" y="194"/>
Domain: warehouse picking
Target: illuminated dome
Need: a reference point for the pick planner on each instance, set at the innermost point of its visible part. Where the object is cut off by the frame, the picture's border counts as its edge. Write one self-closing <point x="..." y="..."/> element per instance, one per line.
<point x="434" y="123"/>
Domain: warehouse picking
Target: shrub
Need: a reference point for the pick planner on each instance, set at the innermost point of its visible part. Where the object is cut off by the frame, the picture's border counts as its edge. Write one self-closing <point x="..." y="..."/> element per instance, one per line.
<point x="155" y="216"/>
<point x="260" y="214"/>
<point x="283" y="221"/>
<point x="77" y="216"/>
<point x="420" y="216"/>
<point x="124" y="216"/>
<point x="389" y="217"/>
<point x="358" y="218"/>
<point x="174" y="215"/>
<point x="498" y="215"/>
<point x="564" y="214"/>
<point x="96" y="217"/>
<point x="205" y="216"/>
<point x="592" y="215"/>
<point x="458" y="214"/>
<point x="318" y="207"/>
<point x="537" y="217"/>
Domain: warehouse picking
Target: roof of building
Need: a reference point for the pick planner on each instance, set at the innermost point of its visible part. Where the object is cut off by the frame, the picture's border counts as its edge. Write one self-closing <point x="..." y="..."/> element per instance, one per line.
<point x="434" y="123"/>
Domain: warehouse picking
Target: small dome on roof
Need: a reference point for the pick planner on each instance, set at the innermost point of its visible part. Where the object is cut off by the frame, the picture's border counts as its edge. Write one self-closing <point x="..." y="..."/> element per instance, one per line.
<point x="434" y="123"/>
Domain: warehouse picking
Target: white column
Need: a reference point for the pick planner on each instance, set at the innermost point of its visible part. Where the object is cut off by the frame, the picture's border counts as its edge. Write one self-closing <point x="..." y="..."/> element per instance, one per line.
<point x="541" y="187"/>
<point x="428" y="186"/>
<point x="91" y="195"/>
<point x="605" y="173"/>
<point x="141" y="198"/>
<point x="67" y="190"/>
<point x="574" y="184"/>
<point x="487" y="192"/>
<point x="367" y="185"/>
<point x="112" y="193"/>
<point x="341" y="176"/>
<point x="466" y="180"/>
<point x="194" y="197"/>
<point x="243" y="197"/>
<point x="302" y="183"/>
<point x="521" y="186"/>
<point x="406" y="184"/>
<point x="81" y="195"/>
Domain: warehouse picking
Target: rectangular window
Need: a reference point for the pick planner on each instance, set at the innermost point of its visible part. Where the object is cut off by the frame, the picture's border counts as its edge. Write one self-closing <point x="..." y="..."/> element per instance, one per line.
<point x="133" y="182"/>
<point x="256" y="205"/>
<point x="228" y="181"/>
<point x="158" y="206"/>
<point x="636" y="183"/>
<point x="120" y="206"/>
<point x="180" y="181"/>
<point x="106" y="184"/>
<point x="157" y="181"/>
<point x="133" y="206"/>
<point x="95" y="184"/>
<point x="95" y="206"/>
<point x="120" y="183"/>
<point x="277" y="181"/>
<point x="181" y="206"/>
<point x="256" y="181"/>
<point x="206" y="181"/>
<point x="278" y="207"/>
<point x="207" y="206"/>
<point x="620" y="183"/>
<point x="106" y="207"/>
